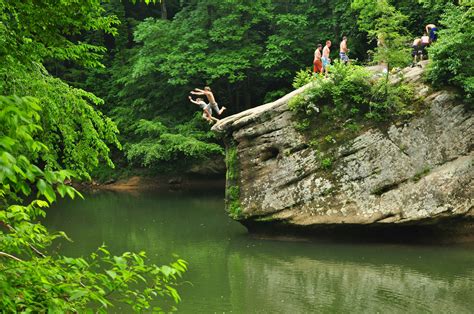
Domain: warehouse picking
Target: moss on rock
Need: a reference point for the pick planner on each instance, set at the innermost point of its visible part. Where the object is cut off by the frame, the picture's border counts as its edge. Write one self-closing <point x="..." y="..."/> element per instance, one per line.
<point x="232" y="193"/>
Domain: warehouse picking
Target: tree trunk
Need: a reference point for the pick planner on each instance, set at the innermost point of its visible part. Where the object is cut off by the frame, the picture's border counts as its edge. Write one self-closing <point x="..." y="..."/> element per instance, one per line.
<point x="237" y="100"/>
<point x="248" y="94"/>
<point x="164" y="11"/>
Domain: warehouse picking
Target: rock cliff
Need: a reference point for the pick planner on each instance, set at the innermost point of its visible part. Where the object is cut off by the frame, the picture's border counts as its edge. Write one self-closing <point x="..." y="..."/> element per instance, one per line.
<point x="414" y="173"/>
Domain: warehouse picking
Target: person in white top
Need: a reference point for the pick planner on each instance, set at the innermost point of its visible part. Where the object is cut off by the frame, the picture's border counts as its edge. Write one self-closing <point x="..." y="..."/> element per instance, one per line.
<point x="210" y="96"/>
<point x="206" y="109"/>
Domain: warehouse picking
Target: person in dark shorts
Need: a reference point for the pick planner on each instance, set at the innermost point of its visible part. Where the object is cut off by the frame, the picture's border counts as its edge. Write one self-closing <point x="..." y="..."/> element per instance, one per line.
<point x="417" y="52"/>
<point x="343" y="50"/>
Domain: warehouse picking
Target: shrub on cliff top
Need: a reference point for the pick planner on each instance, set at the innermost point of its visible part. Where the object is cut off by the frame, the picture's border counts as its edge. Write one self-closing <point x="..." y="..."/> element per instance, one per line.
<point x="451" y="55"/>
<point x="352" y="91"/>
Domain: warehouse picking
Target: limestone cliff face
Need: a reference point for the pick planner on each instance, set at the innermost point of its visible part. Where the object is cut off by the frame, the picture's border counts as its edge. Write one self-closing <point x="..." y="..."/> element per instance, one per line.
<point x="415" y="173"/>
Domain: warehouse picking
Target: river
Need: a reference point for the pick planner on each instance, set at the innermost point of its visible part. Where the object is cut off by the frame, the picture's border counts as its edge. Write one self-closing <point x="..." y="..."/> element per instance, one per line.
<point x="231" y="271"/>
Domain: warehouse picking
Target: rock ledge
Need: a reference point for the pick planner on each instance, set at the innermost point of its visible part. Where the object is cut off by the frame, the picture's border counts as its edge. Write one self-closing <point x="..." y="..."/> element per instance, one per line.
<point x="418" y="173"/>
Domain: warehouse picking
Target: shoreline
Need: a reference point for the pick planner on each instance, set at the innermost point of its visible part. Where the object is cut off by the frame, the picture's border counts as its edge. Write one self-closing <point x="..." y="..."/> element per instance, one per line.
<point x="139" y="183"/>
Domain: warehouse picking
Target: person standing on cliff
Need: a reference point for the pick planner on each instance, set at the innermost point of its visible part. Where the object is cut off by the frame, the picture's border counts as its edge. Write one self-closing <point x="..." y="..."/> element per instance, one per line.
<point x="343" y="51"/>
<point x="325" y="58"/>
<point x="431" y="30"/>
<point x="210" y="96"/>
<point x="318" y="65"/>
<point x="425" y="42"/>
<point x="417" y="52"/>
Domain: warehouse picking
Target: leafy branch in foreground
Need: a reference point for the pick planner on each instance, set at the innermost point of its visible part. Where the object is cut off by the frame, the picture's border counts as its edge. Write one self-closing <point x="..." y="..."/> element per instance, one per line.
<point x="33" y="32"/>
<point x="31" y="278"/>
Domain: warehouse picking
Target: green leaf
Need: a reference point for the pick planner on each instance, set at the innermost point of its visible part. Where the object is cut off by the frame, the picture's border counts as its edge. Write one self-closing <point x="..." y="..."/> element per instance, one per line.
<point x="166" y="270"/>
<point x="78" y="293"/>
<point x="72" y="192"/>
<point x="62" y="189"/>
<point x="111" y="273"/>
<point x="46" y="190"/>
<point x="42" y="186"/>
<point x="120" y="262"/>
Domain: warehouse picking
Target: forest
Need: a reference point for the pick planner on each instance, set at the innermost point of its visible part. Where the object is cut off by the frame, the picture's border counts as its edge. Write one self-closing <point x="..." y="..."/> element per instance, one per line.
<point x="98" y="90"/>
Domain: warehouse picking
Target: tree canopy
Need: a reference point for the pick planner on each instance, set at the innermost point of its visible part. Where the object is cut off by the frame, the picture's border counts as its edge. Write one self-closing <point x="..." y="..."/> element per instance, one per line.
<point x="452" y="55"/>
<point x="247" y="51"/>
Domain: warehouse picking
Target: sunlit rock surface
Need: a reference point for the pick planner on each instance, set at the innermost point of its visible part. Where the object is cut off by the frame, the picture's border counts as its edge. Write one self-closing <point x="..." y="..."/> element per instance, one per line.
<point x="418" y="172"/>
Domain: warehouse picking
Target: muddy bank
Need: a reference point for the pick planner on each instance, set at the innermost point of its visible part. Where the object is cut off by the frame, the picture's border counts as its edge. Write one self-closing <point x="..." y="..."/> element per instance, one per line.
<point x="137" y="183"/>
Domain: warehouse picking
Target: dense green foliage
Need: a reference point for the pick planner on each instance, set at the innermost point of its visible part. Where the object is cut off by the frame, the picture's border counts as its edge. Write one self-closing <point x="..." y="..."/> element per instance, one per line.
<point x="385" y="24"/>
<point x="51" y="133"/>
<point x="335" y="109"/>
<point x="353" y="91"/>
<point x="37" y="30"/>
<point x="453" y="61"/>
<point x="31" y="279"/>
<point x="247" y="51"/>
<point x="76" y="134"/>
<point x="171" y="147"/>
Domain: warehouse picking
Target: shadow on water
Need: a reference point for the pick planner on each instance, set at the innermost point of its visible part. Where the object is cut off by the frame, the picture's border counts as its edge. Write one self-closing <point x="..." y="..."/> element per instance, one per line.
<point x="442" y="231"/>
<point x="233" y="271"/>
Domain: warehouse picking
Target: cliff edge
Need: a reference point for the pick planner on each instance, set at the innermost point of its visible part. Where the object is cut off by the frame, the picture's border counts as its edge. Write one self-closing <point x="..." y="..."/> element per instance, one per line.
<point x="418" y="172"/>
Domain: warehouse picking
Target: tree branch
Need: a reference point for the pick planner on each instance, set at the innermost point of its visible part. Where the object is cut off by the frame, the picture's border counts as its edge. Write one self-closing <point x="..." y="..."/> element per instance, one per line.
<point x="10" y="256"/>
<point x="38" y="252"/>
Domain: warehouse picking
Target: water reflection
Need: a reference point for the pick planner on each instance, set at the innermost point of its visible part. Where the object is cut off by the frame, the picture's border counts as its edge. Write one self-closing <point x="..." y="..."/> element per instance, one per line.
<point x="356" y="279"/>
<point x="231" y="271"/>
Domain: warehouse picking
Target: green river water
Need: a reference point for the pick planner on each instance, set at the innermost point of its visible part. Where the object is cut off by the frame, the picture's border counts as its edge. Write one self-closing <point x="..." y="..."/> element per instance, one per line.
<point x="231" y="271"/>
